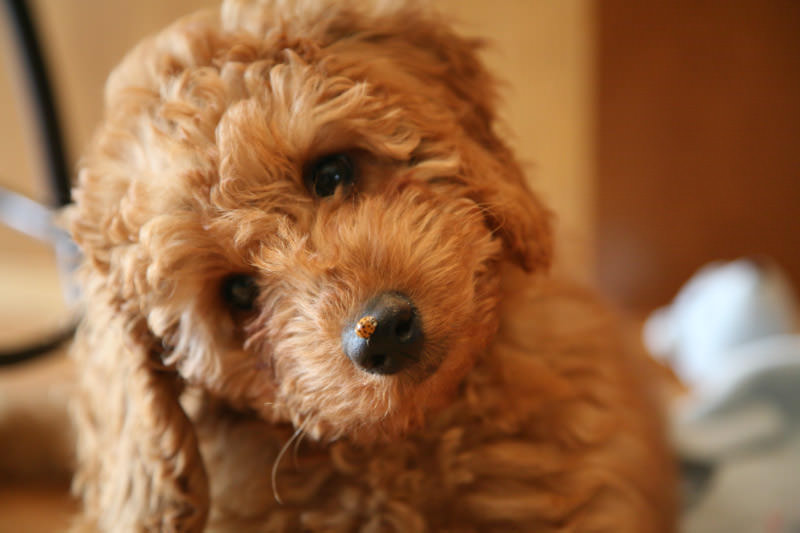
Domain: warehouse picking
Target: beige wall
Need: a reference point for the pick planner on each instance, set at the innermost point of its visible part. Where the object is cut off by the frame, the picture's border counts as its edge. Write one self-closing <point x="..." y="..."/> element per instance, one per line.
<point x="541" y="48"/>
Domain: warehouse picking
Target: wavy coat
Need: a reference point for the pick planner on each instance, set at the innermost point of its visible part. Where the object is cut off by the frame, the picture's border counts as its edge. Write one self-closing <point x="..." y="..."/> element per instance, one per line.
<point x="525" y="413"/>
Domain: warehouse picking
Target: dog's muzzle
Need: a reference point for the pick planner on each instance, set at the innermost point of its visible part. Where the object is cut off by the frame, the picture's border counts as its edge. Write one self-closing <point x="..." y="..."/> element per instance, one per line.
<point x="387" y="336"/>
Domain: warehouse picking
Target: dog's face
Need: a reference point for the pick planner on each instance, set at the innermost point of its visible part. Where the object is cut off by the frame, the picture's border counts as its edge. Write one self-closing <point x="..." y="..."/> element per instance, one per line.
<point x="310" y="220"/>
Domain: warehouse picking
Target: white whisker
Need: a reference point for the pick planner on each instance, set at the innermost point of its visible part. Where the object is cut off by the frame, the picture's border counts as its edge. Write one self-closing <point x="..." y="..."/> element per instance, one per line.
<point x="295" y="449"/>
<point x="275" y="465"/>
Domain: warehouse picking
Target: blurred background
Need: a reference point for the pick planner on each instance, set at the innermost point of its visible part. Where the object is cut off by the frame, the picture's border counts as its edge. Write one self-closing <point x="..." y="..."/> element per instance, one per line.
<point x="664" y="134"/>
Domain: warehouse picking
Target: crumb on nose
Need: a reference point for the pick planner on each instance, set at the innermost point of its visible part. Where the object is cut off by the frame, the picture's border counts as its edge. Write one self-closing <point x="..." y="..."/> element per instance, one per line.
<point x="366" y="326"/>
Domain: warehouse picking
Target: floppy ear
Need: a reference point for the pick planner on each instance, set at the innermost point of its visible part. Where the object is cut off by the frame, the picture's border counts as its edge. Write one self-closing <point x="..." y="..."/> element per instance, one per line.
<point x="513" y="211"/>
<point x="139" y="464"/>
<point x="497" y="182"/>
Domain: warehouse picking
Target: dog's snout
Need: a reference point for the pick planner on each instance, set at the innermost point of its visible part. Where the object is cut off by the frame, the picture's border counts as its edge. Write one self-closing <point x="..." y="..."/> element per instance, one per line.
<point x="387" y="337"/>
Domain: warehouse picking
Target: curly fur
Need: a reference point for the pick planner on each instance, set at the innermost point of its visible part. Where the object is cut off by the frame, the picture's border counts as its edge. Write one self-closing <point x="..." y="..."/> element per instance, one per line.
<point x="525" y="413"/>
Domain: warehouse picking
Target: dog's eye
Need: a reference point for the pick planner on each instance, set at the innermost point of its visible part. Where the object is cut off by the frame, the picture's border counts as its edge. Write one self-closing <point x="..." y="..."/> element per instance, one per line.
<point x="329" y="173"/>
<point x="240" y="291"/>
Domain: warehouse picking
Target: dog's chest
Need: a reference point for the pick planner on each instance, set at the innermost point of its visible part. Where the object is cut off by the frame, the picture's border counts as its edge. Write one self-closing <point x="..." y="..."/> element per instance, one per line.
<point x="416" y="484"/>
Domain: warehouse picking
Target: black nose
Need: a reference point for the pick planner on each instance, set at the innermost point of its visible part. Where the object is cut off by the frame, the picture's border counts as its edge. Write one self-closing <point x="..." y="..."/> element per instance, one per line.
<point x="386" y="337"/>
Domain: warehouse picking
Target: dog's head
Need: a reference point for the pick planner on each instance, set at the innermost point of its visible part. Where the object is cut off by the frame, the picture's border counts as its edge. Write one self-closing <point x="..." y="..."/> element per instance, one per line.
<point x="307" y="208"/>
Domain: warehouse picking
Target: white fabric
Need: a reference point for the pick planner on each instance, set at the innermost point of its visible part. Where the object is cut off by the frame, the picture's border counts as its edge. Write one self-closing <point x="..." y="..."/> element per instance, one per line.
<point x="731" y="335"/>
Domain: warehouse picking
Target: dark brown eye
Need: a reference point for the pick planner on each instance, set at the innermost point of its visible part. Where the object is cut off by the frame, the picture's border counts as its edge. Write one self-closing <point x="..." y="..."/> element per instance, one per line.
<point x="328" y="173"/>
<point x="240" y="291"/>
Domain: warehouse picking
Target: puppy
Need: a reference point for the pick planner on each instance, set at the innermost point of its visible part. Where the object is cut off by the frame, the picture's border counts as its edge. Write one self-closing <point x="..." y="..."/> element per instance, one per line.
<point x="300" y="225"/>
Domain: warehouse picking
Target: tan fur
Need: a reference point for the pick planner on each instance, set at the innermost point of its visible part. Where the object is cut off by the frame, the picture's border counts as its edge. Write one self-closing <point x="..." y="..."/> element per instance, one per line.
<point x="524" y="414"/>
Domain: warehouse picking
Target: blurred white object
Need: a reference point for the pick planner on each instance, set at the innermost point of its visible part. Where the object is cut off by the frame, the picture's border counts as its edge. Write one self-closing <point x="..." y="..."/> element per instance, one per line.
<point x="732" y="335"/>
<point x="720" y="308"/>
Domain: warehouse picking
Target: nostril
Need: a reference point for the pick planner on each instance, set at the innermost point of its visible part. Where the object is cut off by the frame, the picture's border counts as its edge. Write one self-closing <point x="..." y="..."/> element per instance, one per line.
<point x="378" y="360"/>
<point x="403" y="328"/>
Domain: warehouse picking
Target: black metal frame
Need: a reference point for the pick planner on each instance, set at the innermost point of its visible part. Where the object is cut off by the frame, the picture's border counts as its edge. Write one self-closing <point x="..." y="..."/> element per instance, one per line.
<point x="48" y="126"/>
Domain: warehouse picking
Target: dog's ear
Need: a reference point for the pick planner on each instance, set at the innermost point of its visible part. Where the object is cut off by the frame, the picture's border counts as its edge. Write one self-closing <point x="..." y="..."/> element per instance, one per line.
<point x="497" y="182"/>
<point x="139" y="464"/>
<point x="511" y="209"/>
<point x="459" y="79"/>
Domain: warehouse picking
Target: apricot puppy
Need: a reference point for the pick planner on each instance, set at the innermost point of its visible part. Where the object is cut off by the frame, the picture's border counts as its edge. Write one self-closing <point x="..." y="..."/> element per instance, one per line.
<point x="299" y="224"/>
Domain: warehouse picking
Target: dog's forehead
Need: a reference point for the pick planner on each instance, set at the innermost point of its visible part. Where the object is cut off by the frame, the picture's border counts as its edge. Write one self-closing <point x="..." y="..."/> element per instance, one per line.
<point x="299" y="110"/>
